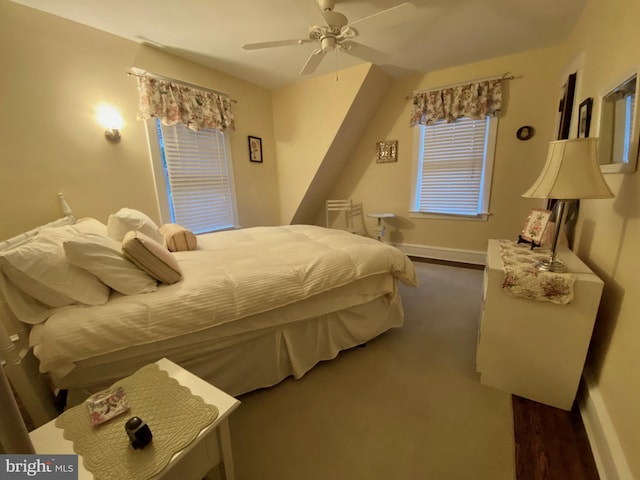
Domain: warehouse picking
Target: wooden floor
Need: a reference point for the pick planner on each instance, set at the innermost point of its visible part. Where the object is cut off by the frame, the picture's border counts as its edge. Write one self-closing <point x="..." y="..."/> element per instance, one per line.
<point x="551" y="444"/>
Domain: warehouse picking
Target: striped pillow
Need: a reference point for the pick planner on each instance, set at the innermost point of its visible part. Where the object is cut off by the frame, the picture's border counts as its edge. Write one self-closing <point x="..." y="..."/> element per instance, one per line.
<point x="178" y="238"/>
<point x="151" y="257"/>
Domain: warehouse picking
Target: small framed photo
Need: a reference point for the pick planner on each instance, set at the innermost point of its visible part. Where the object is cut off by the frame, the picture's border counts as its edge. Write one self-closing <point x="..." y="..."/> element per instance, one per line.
<point x="584" y="118"/>
<point x="525" y="132"/>
<point x="535" y="225"/>
<point x="255" y="149"/>
<point x="387" y="152"/>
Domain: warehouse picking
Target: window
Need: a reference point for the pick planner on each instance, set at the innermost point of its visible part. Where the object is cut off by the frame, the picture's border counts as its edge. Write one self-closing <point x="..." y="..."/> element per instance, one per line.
<point x="194" y="179"/>
<point x="454" y="163"/>
<point x="630" y="102"/>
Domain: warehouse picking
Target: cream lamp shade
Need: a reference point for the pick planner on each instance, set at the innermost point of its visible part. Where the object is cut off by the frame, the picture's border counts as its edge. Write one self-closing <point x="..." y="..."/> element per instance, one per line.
<point x="572" y="172"/>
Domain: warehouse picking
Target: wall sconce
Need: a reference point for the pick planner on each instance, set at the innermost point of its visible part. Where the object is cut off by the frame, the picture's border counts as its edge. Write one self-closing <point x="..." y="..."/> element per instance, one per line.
<point x="109" y="117"/>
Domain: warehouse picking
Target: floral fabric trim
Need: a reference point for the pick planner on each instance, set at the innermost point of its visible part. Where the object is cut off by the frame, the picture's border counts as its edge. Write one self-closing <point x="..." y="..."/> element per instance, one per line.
<point x="175" y="103"/>
<point x="473" y="100"/>
<point x="522" y="279"/>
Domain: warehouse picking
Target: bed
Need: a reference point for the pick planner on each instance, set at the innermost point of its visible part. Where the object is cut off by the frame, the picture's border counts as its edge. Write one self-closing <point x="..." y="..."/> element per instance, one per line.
<point x="253" y="306"/>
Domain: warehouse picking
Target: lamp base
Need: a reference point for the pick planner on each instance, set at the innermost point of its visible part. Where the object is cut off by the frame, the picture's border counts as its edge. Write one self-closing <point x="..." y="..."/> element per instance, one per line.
<point x="555" y="266"/>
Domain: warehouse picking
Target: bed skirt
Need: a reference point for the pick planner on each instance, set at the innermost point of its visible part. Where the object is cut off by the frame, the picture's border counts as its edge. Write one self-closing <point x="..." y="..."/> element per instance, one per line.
<point x="252" y="360"/>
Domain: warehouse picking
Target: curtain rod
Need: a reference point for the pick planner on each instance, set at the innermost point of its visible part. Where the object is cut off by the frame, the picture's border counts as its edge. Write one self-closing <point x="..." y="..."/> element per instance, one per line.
<point x="180" y="82"/>
<point x="504" y="76"/>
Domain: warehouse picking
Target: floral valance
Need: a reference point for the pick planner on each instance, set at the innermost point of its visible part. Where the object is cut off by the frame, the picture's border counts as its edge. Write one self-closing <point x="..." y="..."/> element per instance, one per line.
<point x="173" y="103"/>
<point x="475" y="100"/>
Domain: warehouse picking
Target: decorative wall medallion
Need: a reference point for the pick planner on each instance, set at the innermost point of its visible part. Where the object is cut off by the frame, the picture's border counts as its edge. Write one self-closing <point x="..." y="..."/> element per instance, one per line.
<point x="387" y="152"/>
<point x="525" y="133"/>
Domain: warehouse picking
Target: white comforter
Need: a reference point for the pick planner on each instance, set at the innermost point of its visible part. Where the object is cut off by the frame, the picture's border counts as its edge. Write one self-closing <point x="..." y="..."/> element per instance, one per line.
<point x="231" y="275"/>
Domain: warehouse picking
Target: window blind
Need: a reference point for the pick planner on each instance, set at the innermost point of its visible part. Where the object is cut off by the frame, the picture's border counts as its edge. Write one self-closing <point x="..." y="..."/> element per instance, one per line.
<point x="198" y="177"/>
<point x="452" y="167"/>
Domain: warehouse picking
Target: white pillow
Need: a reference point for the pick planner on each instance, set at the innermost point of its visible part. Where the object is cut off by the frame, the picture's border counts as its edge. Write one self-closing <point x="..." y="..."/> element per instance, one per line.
<point x="128" y="219"/>
<point x="89" y="225"/>
<point x="151" y="257"/>
<point x="40" y="269"/>
<point x="102" y="256"/>
<point x="24" y="307"/>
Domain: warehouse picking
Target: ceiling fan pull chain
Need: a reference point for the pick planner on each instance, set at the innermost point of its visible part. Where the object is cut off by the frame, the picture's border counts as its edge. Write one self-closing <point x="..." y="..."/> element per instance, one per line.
<point x="336" y="64"/>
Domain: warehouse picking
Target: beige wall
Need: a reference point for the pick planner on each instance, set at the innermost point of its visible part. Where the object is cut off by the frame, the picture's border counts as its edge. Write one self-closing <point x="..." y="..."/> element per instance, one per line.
<point x="530" y="99"/>
<point x="608" y="233"/>
<point x="307" y="117"/>
<point x="54" y="73"/>
<point x="317" y="125"/>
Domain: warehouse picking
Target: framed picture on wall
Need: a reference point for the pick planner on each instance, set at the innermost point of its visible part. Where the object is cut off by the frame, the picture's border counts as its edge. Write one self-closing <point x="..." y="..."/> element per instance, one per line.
<point x="255" y="149"/>
<point x="565" y="109"/>
<point x="584" y="118"/>
<point x="387" y="152"/>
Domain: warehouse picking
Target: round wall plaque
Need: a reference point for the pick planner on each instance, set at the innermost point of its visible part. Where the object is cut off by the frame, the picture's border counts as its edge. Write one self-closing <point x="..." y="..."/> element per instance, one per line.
<point x="525" y="133"/>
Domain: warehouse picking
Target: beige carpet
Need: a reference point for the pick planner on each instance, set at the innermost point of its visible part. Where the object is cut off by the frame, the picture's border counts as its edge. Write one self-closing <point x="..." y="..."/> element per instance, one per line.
<point x="408" y="406"/>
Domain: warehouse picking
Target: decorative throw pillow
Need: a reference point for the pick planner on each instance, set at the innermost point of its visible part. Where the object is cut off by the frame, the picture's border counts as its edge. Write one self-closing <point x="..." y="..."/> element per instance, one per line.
<point x="102" y="256"/>
<point x="41" y="270"/>
<point x="152" y="257"/>
<point x="128" y="219"/>
<point x="178" y="238"/>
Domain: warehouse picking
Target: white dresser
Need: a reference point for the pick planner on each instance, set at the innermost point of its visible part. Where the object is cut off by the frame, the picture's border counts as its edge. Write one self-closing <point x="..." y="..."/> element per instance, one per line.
<point x="536" y="349"/>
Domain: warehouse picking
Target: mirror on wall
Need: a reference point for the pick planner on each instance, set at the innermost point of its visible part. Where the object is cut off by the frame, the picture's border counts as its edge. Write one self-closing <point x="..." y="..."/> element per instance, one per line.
<point x="619" y="128"/>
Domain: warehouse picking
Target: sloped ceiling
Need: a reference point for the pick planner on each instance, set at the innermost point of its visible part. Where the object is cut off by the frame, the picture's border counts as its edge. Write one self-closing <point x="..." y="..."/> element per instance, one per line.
<point x="444" y="33"/>
<point x="317" y="125"/>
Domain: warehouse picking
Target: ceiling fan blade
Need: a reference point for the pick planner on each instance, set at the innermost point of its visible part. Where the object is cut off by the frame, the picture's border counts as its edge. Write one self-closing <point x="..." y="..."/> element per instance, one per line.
<point x="386" y="18"/>
<point x="365" y="53"/>
<point x="277" y="43"/>
<point x="312" y="62"/>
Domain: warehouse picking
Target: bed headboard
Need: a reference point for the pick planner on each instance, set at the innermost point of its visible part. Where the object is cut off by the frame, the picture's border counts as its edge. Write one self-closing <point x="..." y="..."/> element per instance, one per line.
<point x="14" y="342"/>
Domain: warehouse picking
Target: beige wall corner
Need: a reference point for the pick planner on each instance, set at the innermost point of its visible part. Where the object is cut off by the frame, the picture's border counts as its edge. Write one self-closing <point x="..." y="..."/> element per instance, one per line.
<point x="608" y="232"/>
<point x="55" y="73"/>
<point x="317" y="123"/>
<point x="530" y="99"/>
<point x="256" y="183"/>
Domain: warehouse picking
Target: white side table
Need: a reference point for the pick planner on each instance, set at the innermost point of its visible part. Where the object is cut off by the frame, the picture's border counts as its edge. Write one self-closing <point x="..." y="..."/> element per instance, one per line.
<point x="211" y="449"/>
<point x="381" y="230"/>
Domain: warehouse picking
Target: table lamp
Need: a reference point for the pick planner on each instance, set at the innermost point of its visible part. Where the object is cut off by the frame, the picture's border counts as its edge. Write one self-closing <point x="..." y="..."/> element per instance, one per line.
<point x="572" y="172"/>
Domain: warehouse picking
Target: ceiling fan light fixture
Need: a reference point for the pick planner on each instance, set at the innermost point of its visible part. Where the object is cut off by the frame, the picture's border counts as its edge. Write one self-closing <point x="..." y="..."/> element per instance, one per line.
<point x="328" y="44"/>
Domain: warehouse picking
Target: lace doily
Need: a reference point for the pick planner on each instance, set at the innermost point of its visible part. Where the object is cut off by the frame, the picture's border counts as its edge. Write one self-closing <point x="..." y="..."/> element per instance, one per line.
<point x="522" y="279"/>
<point x="174" y="415"/>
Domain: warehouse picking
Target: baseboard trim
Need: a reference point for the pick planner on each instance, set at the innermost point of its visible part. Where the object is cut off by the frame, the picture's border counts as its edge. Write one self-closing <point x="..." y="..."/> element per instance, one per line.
<point x="440" y="253"/>
<point x="605" y="445"/>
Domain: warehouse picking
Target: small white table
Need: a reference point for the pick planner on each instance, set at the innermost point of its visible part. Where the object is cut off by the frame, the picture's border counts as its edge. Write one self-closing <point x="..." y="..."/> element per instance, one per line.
<point x="381" y="230"/>
<point x="201" y="458"/>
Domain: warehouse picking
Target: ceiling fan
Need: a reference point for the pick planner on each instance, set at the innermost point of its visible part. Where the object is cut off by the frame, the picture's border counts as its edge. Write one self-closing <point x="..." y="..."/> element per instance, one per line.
<point x="338" y="33"/>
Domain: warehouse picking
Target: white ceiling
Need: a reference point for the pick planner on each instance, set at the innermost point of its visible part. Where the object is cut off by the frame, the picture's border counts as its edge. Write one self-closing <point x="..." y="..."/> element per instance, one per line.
<point x="443" y="33"/>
